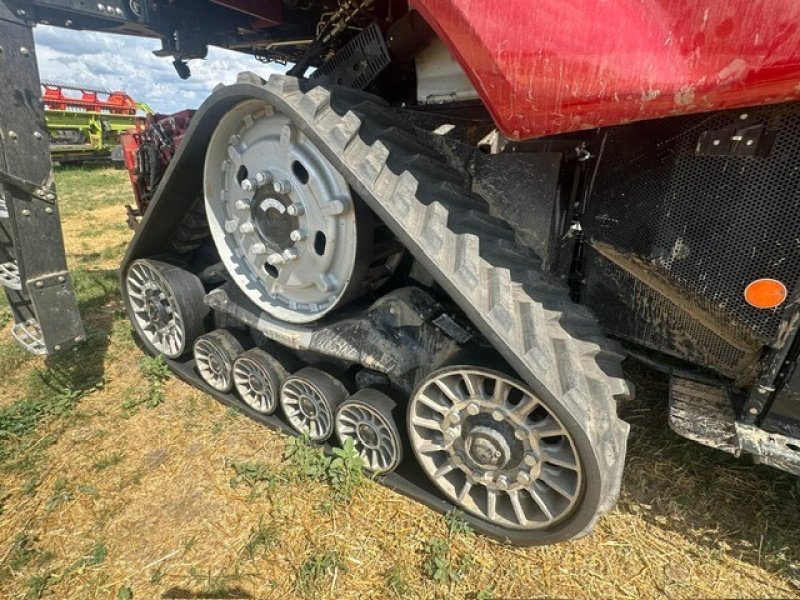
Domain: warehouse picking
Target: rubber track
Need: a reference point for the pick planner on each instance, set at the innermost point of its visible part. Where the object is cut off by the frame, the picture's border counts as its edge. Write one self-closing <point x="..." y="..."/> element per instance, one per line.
<point x="192" y="230"/>
<point x="556" y="346"/>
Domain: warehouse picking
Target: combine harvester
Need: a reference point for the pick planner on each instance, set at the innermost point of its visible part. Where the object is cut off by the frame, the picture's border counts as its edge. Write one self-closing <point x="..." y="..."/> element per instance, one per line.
<point x="87" y="126"/>
<point x="443" y="241"/>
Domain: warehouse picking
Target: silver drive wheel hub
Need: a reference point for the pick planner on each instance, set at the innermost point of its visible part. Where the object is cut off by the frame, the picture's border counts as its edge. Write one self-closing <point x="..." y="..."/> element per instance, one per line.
<point x="281" y="216"/>
<point x="494" y="448"/>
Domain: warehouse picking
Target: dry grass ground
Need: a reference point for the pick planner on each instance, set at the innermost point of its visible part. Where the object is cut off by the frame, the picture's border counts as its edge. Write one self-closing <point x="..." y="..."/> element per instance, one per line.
<point x="116" y="483"/>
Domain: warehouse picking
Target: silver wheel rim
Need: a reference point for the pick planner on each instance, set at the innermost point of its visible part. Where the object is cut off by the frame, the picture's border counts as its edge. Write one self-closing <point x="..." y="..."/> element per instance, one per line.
<point x="255" y="385"/>
<point x="306" y="409"/>
<point x="280" y="215"/>
<point x="375" y="439"/>
<point x="213" y="364"/>
<point x="491" y="446"/>
<point x="155" y="309"/>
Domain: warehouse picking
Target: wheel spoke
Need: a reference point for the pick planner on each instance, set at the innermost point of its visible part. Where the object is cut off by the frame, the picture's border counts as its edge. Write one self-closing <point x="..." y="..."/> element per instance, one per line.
<point x="494" y="427"/>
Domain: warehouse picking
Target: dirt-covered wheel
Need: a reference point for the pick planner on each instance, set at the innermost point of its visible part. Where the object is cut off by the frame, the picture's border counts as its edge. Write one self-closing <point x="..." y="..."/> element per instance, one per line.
<point x="500" y="452"/>
<point x="166" y="306"/>
<point x="366" y="418"/>
<point x="258" y="377"/>
<point x="309" y="400"/>
<point x="214" y="354"/>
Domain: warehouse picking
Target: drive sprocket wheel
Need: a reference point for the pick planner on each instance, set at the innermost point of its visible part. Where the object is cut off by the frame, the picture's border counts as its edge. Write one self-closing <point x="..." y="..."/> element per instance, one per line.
<point x="494" y="448"/>
<point x="286" y="225"/>
<point x="165" y="303"/>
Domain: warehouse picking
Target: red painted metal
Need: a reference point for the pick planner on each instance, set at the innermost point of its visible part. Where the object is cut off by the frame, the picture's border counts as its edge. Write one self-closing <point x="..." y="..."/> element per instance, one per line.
<point x="118" y="103"/>
<point x="550" y="66"/>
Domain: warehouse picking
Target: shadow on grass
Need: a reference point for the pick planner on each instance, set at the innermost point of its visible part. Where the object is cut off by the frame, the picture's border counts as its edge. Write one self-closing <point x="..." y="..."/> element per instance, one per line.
<point x="56" y="389"/>
<point x="722" y="503"/>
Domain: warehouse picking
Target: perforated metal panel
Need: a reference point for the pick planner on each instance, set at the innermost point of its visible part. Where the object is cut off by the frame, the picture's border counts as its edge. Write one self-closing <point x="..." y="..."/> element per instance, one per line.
<point x="704" y="226"/>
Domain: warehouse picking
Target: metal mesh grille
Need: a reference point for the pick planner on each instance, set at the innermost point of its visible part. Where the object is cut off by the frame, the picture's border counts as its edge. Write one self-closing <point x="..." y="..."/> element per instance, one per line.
<point x="633" y="310"/>
<point x="708" y="225"/>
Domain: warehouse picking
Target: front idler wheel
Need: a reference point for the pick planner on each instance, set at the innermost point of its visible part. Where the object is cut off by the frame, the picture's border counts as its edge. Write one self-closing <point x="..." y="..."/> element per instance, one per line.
<point x="258" y="377"/>
<point x="165" y="303"/>
<point x="495" y="449"/>
<point x="366" y="418"/>
<point x="309" y="400"/>
<point x="214" y="354"/>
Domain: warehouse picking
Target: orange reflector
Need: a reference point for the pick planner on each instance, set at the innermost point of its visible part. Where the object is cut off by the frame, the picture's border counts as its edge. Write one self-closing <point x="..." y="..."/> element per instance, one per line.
<point x="765" y="293"/>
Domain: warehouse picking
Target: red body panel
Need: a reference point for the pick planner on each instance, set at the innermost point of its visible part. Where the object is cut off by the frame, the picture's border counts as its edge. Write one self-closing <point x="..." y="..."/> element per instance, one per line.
<point x="550" y="66"/>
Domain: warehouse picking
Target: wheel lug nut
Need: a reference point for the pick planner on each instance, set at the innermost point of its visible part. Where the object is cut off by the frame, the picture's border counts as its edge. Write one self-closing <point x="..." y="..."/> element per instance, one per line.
<point x="473" y="409"/>
<point x="520" y="434"/>
<point x="263" y="178"/>
<point x="502" y="482"/>
<point x="258" y="248"/>
<point x="247" y="185"/>
<point x="246" y="228"/>
<point x="497" y="415"/>
<point x="523" y="478"/>
<point x="458" y="459"/>
<point x="334" y="207"/>
<point x="297" y="235"/>
<point x="231" y="225"/>
<point x="530" y="459"/>
<point x="295" y="210"/>
<point x="242" y="204"/>
<point x="282" y="187"/>
<point x="275" y="259"/>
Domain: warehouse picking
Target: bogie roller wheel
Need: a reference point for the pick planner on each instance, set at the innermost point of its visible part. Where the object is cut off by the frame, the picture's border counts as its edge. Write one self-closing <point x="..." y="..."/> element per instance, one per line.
<point x="165" y="303"/>
<point x="214" y="354"/>
<point x="309" y="400"/>
<point x="499" y="452"/>
<point x="258" y="377"/>
<point x="366" y="418"/>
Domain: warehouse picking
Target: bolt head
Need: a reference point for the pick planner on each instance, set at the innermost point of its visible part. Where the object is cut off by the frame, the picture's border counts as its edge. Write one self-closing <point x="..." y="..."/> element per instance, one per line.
<point x="753" y="410"/>
<point x="473" y="409"/>
<point x="258" y="249"/>
<point x="242" y="204"/>
<point x="523" y="478"/>
<point x="275" y="259"/>
<point x="334" y="207"/>
<point x="297" y="235"/>
<point x="26" y="213"/>
<point x="246" y="228"/>
<point x="497" y="415"/>
<point x="295" y="210"/>
<point x="520" y="434"/>
<point x="530" y="459"/>
<point x="263" y="178"/>
<point x="502" y="482"/>
<point x="231" y="225"/>
<point x="48" y="210"/>
<point x="282" y="187"/>
<point x="247" y="185"/>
